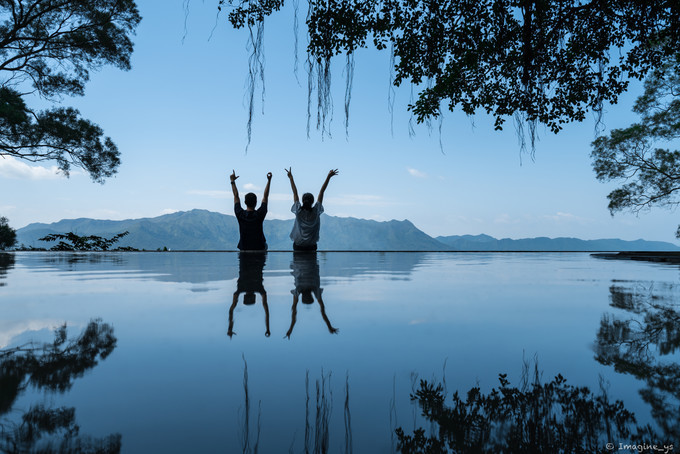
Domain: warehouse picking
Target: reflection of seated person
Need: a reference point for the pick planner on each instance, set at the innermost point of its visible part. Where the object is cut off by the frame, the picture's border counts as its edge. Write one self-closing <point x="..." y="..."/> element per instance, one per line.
<point x="307" y="286"/>
<point x="250" y="267"/>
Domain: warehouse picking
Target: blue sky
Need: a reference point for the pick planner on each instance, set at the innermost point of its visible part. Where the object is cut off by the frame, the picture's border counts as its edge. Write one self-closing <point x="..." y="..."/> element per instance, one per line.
<point x="179" y="119"/>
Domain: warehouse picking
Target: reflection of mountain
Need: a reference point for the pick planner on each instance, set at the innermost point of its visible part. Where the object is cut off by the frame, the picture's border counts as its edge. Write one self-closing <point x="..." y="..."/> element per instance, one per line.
<point x="645" y="344"/>
<point x="51" y="368"/>
<point x="205" y="230"/>
<point x="488" y="243"/>
<point x="200" y="267"/>
<point x="397" y="265"/>
<point x="6" y="263"/>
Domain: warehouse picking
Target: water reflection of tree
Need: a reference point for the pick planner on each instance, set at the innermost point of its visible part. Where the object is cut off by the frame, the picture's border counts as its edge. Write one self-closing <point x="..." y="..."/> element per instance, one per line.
<point x="318" y="413"/>
<point x="70" y="260"/>
<point x="552" y="417"/>
<point x="51" y="367"/>
<point x="6" y="263"/>
<point x="535" y="417"/>
<point x="638" y="343"/>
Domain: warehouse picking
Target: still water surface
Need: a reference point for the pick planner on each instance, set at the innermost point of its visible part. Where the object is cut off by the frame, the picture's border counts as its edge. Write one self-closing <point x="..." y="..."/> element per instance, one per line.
<point x="314" y="353"/>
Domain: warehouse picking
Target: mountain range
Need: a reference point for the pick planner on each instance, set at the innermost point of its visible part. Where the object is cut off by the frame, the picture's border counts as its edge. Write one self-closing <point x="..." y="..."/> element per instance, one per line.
<point x="206" y="230"/>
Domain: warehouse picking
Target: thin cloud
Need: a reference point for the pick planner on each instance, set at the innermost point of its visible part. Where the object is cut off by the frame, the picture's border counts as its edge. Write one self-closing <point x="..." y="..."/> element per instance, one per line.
<point x="211" y="194"/>
<point x="506" y="219"/>
<point x="564" y="217"/>
<point x="358" y="200"/>
<point x="469" y="220"/>
<point x="13" y="168"/>
<point x="103" y="213"/>
<point x="416" y="173"/>
<point x="169" y="211"/>
<point x="372" y="217"/>
<point x="281" y="197"/>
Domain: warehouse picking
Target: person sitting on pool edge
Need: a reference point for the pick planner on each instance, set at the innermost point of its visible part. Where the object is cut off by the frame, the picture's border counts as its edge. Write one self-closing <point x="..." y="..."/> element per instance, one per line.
<point x="305" y="233"/>
<point x="250" y="220"/>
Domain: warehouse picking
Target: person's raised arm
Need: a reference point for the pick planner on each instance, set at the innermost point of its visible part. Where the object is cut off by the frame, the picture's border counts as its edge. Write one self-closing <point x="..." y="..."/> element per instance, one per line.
<point x="322" y="307"/>
<point x="230" y="330"/>
<point x="265" y="197"/>
<point x="233" y="178"/>
<point x="331" y="174"/>
<point x="267" y="333"/>
<point x="292" y="184"/>
<point x="293" y="315"/>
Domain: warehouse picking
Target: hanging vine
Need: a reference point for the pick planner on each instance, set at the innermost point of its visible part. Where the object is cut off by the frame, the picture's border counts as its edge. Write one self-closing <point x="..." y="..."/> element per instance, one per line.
<point x="539" y="62"/>
<point x="256" y="63"/>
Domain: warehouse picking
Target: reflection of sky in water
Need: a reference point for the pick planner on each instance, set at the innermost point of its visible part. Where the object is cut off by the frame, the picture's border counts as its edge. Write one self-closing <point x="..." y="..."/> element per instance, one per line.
<point x="175" y="379"/>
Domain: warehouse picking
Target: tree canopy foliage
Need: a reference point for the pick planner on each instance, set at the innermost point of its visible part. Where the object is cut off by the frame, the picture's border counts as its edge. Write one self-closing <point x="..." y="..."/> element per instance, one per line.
<point x="636" y="155"/>
<point x="74" y="242"/>
<point x="48" y="48"/>
<point x="543" y="62"/>
<point x="8" y="236"/>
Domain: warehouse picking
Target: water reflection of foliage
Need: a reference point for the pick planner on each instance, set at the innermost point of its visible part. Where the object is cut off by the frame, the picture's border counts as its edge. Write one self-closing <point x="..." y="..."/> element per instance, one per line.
<point x="70" y="259"/>
<point x="635" y="346"/>
<point x="52" y="367"/>
<point x="318" y="412"/>
<point x="6" y="263"/>
<point x="537" y="417"/>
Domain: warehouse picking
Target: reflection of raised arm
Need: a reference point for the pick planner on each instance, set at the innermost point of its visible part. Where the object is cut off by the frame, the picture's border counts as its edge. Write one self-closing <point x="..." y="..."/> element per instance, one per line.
<point x="331" y="174"/>
<point x="265" y="197"/>
<point x="230" y="330"/>
<point x="293" y="315"/>
<point x="233" y="178"/>
<point x="292" y="185"/>
<point x="324" y="316"/>
<point x="266" y="313"/>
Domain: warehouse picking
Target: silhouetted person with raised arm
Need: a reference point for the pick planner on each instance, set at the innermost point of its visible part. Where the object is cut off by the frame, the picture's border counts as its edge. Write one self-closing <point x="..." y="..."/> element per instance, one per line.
<point x="250" y="220"/>
<point x="305" y="233"/>
<point x="250" y="282"/>
<point x="307" y="286"/>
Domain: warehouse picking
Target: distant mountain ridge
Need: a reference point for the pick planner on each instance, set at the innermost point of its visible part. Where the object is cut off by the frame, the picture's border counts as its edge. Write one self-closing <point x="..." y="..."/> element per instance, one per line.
<point x="206" y="230"/>
<point x="488" y="243"/>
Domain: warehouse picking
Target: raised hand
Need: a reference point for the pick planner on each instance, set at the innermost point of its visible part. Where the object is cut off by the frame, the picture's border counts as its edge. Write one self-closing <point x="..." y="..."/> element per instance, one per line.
<point x="233" y="176"/>
<point x="289" y="172"/>
<point x="269" y="176"/>
<point x="332" y="173"/>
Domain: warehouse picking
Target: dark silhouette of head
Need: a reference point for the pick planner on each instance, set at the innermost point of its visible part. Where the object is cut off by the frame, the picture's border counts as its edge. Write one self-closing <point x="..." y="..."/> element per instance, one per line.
<point x="307" y="296"/>
<point x="249" y="298"/>
<point x="307" y="201"/>
<point x="251" y="200"/>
